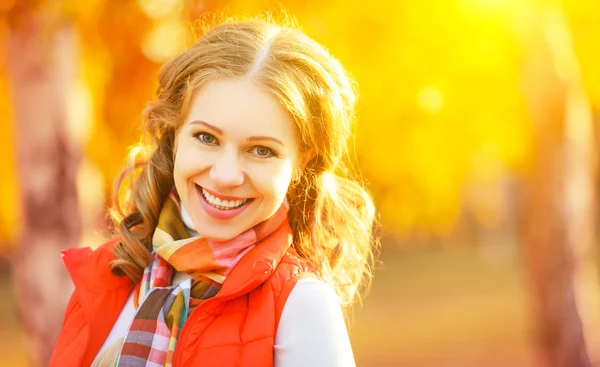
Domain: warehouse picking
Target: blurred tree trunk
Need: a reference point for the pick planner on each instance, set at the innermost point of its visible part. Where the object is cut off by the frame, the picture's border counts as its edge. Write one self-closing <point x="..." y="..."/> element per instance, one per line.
<point x="41" y="67"/>
<point x="560" y="199"/>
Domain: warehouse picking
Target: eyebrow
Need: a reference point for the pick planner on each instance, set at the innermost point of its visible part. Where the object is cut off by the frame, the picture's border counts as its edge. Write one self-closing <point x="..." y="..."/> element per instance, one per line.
<point x="206" y="124"/>
<point x="220" y="132"/>
<point x="254" y="138"/>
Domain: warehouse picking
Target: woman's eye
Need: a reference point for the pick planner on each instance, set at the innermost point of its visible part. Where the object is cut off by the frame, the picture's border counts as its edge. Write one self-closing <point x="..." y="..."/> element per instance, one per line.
<point x="206" y="138"/>
<point x="262" y="152"/>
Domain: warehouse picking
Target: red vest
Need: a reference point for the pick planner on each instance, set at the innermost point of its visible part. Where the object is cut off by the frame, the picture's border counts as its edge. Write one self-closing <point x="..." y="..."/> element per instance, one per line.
<point x="237" y="327"/>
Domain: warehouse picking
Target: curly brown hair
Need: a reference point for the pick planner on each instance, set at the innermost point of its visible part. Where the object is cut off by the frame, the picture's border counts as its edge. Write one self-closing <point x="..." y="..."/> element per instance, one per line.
<point x="331" y="214"/>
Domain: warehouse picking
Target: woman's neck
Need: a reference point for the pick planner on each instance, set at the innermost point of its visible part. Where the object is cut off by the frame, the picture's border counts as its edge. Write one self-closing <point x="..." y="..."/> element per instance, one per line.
<point x="187" y="221"/>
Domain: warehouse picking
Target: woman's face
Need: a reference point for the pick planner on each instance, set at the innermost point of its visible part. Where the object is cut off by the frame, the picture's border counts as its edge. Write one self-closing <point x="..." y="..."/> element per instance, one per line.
<point x="235" y="154"/>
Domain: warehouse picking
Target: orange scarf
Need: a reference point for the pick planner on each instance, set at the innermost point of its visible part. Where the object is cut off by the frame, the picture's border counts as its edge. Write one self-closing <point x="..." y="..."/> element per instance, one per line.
<point x="152" y="336"/>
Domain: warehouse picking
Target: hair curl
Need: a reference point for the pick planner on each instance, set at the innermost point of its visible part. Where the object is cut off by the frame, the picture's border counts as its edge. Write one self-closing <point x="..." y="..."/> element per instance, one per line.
<point x="331" y="215"/>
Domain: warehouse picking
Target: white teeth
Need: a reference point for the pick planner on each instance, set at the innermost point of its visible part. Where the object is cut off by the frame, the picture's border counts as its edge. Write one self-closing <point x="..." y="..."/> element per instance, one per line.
<point x="222" y="204"/>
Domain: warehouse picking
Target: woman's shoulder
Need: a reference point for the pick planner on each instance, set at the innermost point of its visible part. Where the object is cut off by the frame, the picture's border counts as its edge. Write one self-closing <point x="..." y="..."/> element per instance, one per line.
<point x="76" y="255"/>
<point x="291" y="270"/>
<point x="312" y="294"/>
<point x="312" y="331"/>
<point x="90" y="267"/>
<point x="292" y="267"/>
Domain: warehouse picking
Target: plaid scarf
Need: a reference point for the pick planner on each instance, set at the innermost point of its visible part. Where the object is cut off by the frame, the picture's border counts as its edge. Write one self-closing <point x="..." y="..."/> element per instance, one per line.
<point x="152" y="336"/>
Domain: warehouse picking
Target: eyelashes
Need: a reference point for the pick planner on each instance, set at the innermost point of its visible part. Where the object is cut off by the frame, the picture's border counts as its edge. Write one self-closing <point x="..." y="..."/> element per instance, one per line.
<point x="259" y="151"/>
<point x="263" y="152"/>
<point x="206" y="138"/>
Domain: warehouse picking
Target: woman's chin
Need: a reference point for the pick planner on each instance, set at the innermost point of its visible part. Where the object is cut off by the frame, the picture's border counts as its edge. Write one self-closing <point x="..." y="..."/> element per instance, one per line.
<point x="221" y="236"/>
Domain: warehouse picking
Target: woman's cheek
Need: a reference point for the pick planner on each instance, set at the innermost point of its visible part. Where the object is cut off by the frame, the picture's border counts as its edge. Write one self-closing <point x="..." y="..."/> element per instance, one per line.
<point x="281" y="178"/>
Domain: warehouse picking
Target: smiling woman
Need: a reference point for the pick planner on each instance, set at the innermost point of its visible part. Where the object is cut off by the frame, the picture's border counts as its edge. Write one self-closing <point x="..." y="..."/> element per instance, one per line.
<point x="241" y="236"/>
<point x="244" y="156"/>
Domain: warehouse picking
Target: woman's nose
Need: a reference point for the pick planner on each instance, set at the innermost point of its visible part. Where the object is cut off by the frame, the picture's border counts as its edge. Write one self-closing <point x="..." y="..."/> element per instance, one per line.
<point x="226" y="170"/>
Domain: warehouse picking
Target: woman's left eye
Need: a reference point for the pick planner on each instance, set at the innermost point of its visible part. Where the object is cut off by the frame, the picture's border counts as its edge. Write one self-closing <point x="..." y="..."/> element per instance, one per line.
<point x="206" y="138"/>
<point x="262" y="152"/>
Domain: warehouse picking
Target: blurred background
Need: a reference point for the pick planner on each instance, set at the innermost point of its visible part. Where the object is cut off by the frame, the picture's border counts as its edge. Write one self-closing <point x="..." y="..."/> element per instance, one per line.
<point x="477" y="138"/>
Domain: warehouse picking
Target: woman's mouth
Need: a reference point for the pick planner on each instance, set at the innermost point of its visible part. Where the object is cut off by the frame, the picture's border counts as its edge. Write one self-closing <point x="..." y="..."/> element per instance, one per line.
<point x="221" y="207"/>
<point x="222" y="204"/>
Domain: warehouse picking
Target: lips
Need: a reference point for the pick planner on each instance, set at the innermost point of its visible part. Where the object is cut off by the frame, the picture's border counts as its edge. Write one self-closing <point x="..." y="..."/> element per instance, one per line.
<point x="222" y="203"/>
<point x="219" y="206"/>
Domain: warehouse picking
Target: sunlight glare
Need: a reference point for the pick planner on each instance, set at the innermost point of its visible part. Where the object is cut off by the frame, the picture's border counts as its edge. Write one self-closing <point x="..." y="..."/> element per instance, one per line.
<point x="160" y="8"/>
<point x="431" y="100"/>
<point x="164" y="41"/>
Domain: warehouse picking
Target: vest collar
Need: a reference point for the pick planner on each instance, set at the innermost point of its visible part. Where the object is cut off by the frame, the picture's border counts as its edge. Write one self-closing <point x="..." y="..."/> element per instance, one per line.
<point x="89" y="270"/>
<point x="258" y="264"/>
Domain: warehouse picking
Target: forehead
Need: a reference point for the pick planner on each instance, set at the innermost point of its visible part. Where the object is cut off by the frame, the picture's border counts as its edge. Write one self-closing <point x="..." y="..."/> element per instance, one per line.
<point x="241" y="108"/>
